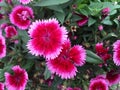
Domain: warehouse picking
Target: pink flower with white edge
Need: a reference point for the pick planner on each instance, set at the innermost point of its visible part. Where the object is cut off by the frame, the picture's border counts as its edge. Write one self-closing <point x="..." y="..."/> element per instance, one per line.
<point x="25" y="1"/>
<point x="1" y="86"/>
<point x="116" y="54"/>
<point x="2" y="47"/>
<point x="113" y="77"/>
<point x="21" y="15"/>
<point x="10" y="31"/>
<point x="47" y="37"/>
<point x="98" y="83"/>
<point x="65" y="64"/>
<point x="18" y="80"/>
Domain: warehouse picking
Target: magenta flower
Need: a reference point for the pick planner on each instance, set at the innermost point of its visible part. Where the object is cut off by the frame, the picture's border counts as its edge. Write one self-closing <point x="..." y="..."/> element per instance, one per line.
<point x="65" y="64"/>
<point x="100" y="27"/>
<point x="1" y="86"/>
<point x="106" y="11"/>
<point x="21" y="15"/>
<point x="98" y="83"/>
<point x="113" y="77"/>
<point x="47" y="38"/>
<point x="18" y="80"/>
<point x="102" y="51"/>
<point x="1" y="16"/>
<point x="116" y="54"/>
<point x="10" y="31"/>
<point x="25" y="1"/>
<point x="3" y="25"/>
<point x="83" y="21"/>
<point x="9" y="1"/>
<point x="2" y="47"/>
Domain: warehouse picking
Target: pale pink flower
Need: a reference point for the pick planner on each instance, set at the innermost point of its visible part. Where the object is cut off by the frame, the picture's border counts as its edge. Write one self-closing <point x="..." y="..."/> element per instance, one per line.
<point x="100" y="27"/>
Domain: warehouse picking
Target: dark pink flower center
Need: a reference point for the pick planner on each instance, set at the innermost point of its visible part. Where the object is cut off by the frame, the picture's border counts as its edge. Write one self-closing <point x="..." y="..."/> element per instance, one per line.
<point x="46" y="36"/>
<point x="98" y="86"/>
<point x="23" y="15"/>
<point x="112" y="76"/>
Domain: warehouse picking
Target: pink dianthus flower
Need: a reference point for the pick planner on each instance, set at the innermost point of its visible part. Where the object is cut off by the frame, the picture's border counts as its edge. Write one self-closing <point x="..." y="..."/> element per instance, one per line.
<point x="47" y="37"/>
<point x="65" y="64"/>
<point x="113" y="77"/>
<point x="102" y="51"/>
<point x="98" y="83"/>
<point x="116" y="54"/>
<point x="10" y="31"/>
<point x="25" y="1"/>
<point x="1" y="86"/>
<point x="18" y="80"/>
<point x="21" y="15"/>
<point x="2" y="47"/>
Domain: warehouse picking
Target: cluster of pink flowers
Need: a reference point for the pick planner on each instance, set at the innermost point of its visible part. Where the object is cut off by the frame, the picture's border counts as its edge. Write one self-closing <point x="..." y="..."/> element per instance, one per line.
<point x="17" y="81"/>
<point x="69" y="58"/>
<point x="49" y="39"/>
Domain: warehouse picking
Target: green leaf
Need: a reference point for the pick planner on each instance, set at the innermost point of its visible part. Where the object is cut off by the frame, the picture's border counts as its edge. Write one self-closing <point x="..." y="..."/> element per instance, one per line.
<point x="84" y="12"/>
<point x="60" y="16"/>
<point x="91" y="21"/>
<point x="29" y="63"/>
<point x="81" y="6"/>
<point x="93" y="58"/>
<point x="47" y="73"/>
<point x="51" y="2"/>
<point x="107" y="21"/>
<point x="56" y="8"/>
<point x="3" y="4"/>
<point x="24" y="37"/>
<point x="116" y="22"/>
<point x="110" y="35"/>
<point x="57" y="81"/>
<point x="113" y="12"/>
